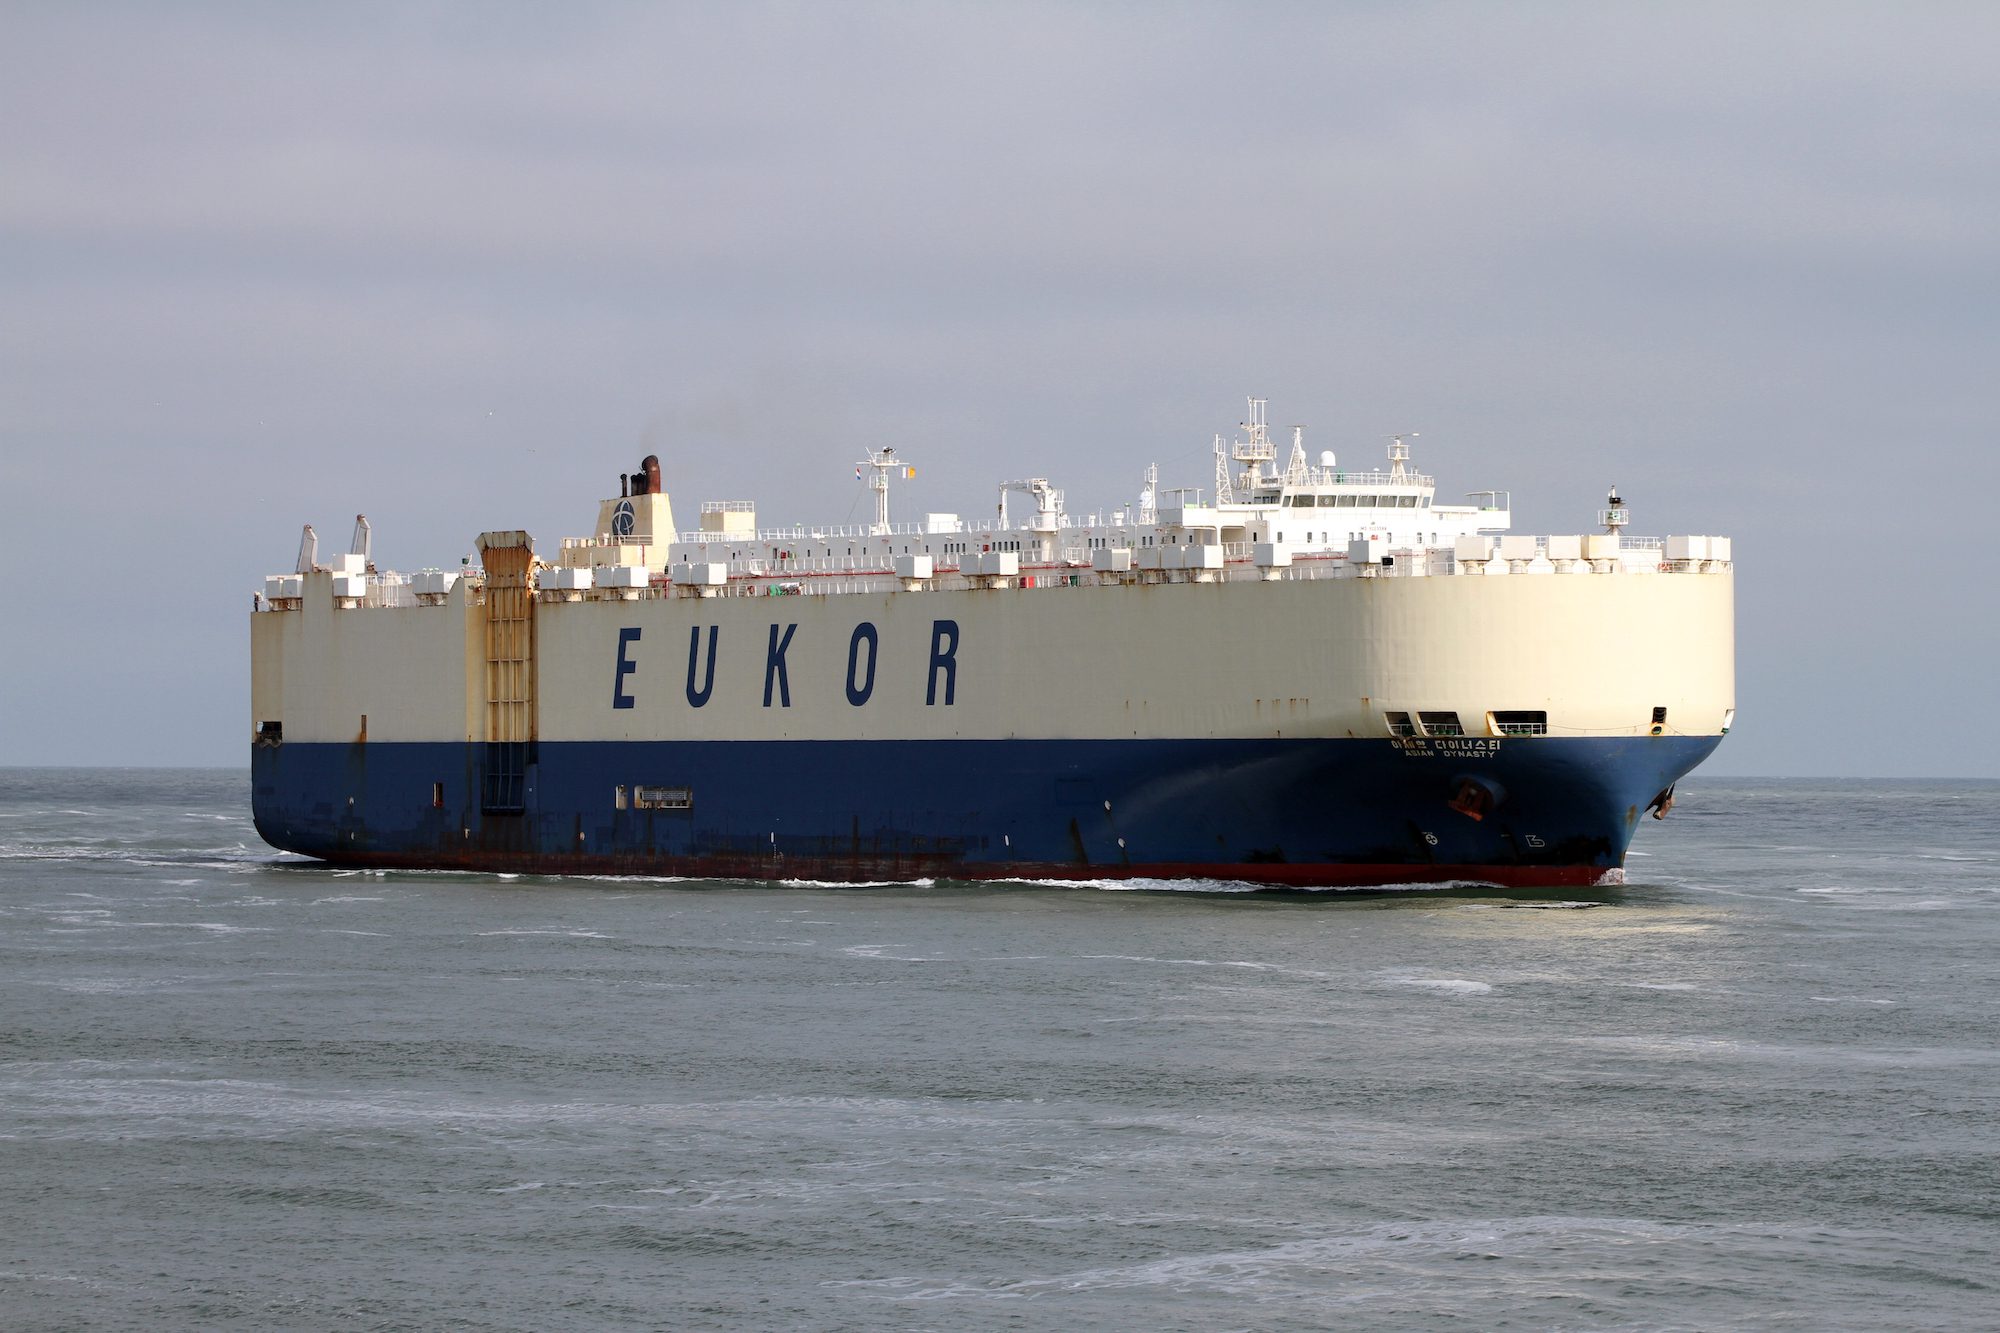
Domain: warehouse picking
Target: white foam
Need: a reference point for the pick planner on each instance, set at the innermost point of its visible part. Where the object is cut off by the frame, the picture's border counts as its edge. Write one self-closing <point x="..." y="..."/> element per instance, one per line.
<point x="1300" y="1265"/>
<point x="1182" y="962"/>
<point x="1451" y="985"/>
<point x="881" y="951"/>
<point x="102" y="985"/>
<point x="1141" y="884"/>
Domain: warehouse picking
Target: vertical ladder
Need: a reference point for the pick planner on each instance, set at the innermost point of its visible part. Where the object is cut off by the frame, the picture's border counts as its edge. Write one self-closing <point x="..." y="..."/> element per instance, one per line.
<point x="510" y="671"/>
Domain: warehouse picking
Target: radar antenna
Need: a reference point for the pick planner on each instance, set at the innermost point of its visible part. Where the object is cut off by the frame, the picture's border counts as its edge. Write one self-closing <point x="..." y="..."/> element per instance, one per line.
<point x="1614" y="515"/>
<point x="1399" y="455"/>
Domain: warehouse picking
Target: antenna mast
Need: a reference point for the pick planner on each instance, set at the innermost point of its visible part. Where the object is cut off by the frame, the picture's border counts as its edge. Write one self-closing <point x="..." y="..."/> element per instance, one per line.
<point x="1295" y="466"/>
<point x="1257" y="450"/>
<point x="884" y="462"/>
<point x="1613" y="516"/>
<point x="1399" y="455"/>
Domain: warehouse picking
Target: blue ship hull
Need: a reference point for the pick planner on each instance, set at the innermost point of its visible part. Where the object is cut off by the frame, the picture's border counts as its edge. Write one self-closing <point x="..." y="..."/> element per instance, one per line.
<point x="1301" y="812"/>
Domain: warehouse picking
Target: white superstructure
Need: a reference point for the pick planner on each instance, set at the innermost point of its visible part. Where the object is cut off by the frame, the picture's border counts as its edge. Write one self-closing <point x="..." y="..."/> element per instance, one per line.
<point x="1302" y="520"/>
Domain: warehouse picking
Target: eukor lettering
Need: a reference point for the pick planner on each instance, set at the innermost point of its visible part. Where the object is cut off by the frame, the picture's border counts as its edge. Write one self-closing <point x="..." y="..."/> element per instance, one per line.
<point x="944" y="657"/>
<point x="626" y="666"/>
<point x="698" y="697"/>
<point x="863" y="653"/>
<point x="774" y="667"/>
<point x="858" y="692"/>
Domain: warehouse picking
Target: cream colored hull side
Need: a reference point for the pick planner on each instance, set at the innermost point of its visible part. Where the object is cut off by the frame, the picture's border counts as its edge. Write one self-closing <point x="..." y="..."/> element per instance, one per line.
<point x="1329" y="657"/>
<point x="415" y="673"/>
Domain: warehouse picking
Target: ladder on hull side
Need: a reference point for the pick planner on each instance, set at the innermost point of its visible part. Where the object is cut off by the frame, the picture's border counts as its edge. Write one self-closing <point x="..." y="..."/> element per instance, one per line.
<point x="510" y="672"/>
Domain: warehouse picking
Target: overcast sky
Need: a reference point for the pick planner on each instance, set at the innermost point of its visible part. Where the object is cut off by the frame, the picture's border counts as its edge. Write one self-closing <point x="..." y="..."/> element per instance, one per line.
<point x="459" y="266"/>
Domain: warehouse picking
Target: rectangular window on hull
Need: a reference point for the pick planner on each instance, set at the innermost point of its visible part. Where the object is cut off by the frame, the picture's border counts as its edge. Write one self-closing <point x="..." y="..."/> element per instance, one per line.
<point x="1440" y="724"/>
<point x="1518" y="722"/>
<point x="663" y="798"/>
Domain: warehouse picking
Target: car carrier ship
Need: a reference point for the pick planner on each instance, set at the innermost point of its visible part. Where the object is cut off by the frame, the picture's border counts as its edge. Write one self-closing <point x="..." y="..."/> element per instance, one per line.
<point x="1307" y="676"/>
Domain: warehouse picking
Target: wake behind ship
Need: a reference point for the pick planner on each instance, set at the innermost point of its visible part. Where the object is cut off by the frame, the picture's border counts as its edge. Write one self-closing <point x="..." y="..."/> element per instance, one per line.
<point x="1313" y="676"/>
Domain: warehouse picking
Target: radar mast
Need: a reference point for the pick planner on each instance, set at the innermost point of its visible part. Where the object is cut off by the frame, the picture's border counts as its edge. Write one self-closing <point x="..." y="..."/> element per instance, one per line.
<point x="884" y="462"/>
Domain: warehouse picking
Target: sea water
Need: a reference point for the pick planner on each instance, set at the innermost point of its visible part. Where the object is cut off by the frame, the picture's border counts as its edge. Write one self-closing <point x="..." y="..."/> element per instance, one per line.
<point x="1756" y="1087"/>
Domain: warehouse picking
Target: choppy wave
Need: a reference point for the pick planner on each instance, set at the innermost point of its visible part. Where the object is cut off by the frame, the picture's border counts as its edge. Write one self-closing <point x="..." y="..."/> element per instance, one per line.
<point x="231" y="857"/>
<point x="1749" y="1092"/>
